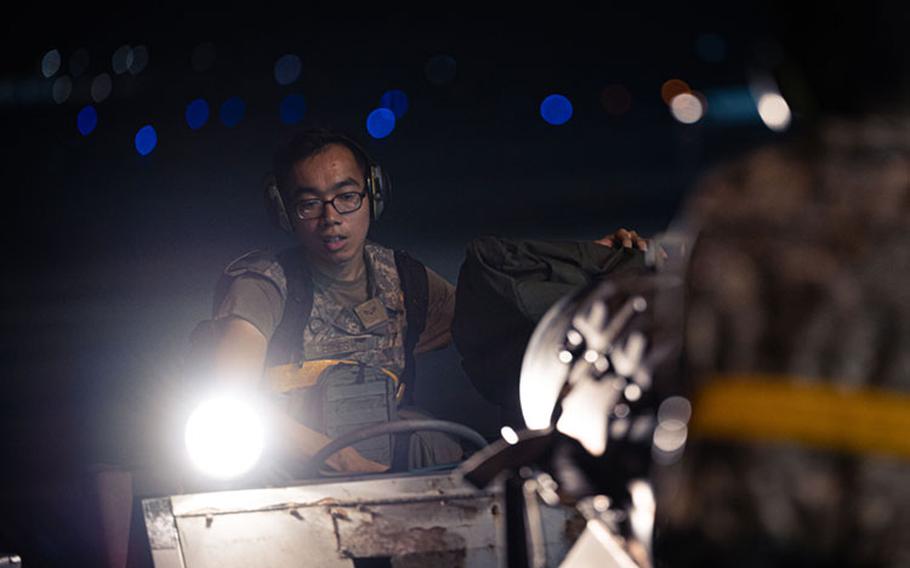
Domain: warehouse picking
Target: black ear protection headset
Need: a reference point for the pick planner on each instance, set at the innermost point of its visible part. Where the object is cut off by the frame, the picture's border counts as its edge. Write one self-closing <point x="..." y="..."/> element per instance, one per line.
<point x="378" y="187"/>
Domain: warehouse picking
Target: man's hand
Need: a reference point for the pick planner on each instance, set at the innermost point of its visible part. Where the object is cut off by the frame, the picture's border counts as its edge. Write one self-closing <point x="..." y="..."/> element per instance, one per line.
<point x="350" y="460"/>
<point x="240" y="355"/>
<point x="628" y="239"/>
<point x="297" y="443"/>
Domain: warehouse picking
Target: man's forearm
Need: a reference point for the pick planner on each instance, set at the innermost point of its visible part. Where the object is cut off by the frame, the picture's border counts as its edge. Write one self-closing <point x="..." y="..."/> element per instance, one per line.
<point x="239" y="360"/>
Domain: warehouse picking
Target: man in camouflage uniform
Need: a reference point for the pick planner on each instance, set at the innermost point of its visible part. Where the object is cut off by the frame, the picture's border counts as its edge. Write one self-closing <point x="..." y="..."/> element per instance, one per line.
<point x="357" y="309"/>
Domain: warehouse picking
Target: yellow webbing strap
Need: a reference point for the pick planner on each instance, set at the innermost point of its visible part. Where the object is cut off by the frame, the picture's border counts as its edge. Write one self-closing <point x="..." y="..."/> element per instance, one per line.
<point x="779" y="408"/>
<point x="284" y="378"/>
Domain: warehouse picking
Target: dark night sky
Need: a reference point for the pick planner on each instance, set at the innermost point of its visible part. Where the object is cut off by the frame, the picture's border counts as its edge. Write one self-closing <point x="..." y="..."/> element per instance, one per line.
<point x="111" y="256"/>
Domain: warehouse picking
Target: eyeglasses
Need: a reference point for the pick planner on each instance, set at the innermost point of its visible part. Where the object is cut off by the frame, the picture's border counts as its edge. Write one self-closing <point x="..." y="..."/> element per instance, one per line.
<point x="344" y="203"/>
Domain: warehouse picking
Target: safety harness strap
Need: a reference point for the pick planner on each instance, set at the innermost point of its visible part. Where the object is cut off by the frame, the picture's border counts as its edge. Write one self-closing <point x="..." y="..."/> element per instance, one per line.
<point x="415" y="287"/>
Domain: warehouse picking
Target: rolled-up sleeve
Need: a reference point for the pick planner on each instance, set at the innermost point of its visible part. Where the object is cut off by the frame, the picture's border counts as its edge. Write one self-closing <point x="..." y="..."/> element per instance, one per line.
<point x="254" y="299"/>
<point x="253" y="287"/>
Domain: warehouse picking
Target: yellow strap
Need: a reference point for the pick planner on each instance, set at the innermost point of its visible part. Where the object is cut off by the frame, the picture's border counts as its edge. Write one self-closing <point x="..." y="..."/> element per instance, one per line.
<point x="283" y="378"/>
<point x="782" y="408"/>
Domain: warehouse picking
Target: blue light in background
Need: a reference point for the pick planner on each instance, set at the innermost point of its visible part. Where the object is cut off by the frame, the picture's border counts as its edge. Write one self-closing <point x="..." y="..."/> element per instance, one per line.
<point x="396" y="101"/>
<point x="232" y="111"/>
<point x="732" y="105"/>
<point x="87" y="120"/>
<point x="197" y="114"/>
<point x="381" y="123"/>
<point x="556" y="109"/>
<point x="146" y="140"/>
<point x="287" y="69"/>
<point x="711" y="48"/>
<point x="293" y="108"/>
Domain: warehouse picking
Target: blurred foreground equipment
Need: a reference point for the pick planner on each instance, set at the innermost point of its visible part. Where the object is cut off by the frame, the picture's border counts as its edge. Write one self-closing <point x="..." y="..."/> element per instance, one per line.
<point x="798" y="356"/>
<point x="597" y="393"/>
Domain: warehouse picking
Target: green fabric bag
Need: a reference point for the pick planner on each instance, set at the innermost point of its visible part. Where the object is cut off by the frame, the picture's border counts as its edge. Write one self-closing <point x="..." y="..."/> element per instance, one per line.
<point x="505" y="286"/>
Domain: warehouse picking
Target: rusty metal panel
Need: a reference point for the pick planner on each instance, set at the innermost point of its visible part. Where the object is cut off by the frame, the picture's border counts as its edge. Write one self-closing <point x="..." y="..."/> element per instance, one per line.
<point x="409" y="520"/>
<point x="443" y="532"/>
<point x="268" y="539"/>
<point x="356" y="490"/>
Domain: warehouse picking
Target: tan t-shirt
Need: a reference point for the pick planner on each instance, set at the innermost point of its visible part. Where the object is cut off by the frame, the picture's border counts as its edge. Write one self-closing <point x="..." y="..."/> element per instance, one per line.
<point x="258" y="300"/>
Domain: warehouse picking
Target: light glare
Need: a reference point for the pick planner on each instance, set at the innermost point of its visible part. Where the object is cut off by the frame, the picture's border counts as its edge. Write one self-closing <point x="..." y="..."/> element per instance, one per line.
<point x="644" y="507"/>
<point x="146" y="140"/>
<point x="396" y="101"/>
<point x="673" y="87"/>
<point x="87" y="120"/>
<point x="774" y="111"/>
<point x="686" y="108"/>
<point x="50" y="63"/>
<point x="197" y="114"/>
<point x="380" y="123"/>
<point x="101" y="87"/>
<point x="292" y="109"/>
<point x="61" y="89"/>
<point x="287" y="69"/>
<point x="632" y="393"/>
<point x="224" y="437"/>
<point x="556" y="109"/>
<point x="122" y="59"/>
<point x="140" y="60"/>
<point x="670" y="436"/>
<point x="232" y="111"/>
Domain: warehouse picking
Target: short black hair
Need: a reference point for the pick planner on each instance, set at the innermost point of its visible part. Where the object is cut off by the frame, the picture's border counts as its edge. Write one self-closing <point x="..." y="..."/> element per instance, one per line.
<point x="309" y="142"/>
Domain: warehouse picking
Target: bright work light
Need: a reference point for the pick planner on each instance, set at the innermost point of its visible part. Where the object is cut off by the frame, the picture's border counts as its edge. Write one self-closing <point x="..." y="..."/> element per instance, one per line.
<point x="224" y="436"/>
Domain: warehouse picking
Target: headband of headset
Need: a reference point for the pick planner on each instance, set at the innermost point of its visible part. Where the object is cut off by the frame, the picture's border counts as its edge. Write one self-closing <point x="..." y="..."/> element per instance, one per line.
<point x="377" y="185"/>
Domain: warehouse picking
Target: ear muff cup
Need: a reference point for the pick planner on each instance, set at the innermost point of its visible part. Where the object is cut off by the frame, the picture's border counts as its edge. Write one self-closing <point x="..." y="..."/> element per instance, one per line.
<point x="378" y="189"/>
<point x="274" y="204"/>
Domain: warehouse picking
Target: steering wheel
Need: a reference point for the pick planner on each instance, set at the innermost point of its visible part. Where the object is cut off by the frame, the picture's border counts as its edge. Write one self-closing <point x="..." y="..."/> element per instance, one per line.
<point x="397" y="427"/>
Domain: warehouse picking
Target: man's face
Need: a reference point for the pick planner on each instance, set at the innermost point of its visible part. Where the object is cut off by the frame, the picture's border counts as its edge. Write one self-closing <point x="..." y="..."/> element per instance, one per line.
<point x="332" y="238"/>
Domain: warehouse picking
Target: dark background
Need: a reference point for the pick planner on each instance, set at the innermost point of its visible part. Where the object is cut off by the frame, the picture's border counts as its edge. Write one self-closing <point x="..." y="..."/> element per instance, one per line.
<point x="110" y="257"/>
